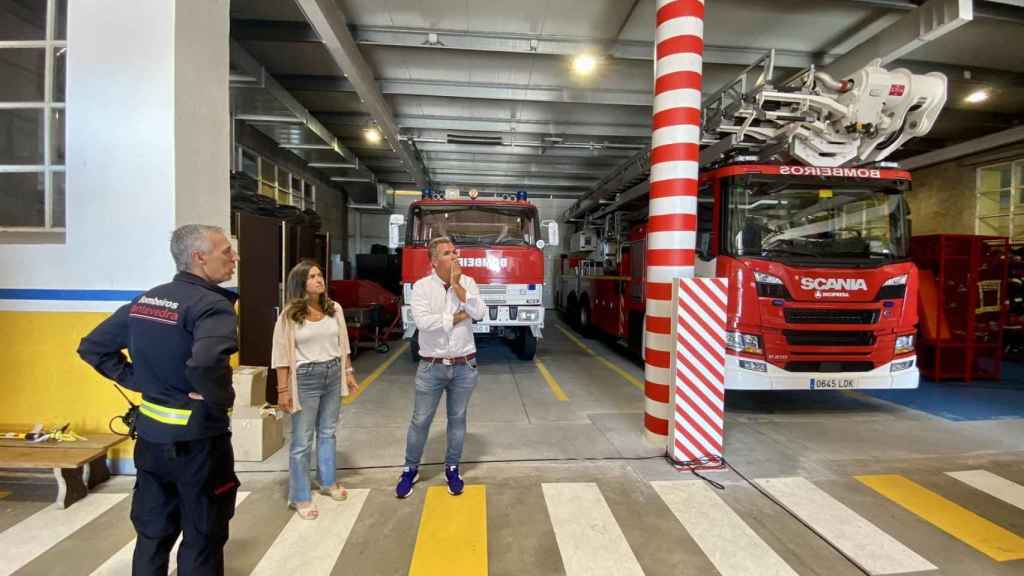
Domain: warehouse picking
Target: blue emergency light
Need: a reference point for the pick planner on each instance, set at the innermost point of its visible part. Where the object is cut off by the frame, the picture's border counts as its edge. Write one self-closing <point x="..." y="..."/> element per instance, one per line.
<point x="521" y="195"/>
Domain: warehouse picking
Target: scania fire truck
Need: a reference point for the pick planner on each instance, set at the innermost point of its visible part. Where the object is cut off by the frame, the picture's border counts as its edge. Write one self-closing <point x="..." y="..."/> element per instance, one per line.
<point x="795" y="210"/>
<point x="500" y="245"/>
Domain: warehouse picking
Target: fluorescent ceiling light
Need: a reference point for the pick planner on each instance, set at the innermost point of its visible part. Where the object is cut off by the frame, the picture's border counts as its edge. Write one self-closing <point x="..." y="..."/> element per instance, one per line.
<point x="976" y="96"/>
<point x="584" y="64"/>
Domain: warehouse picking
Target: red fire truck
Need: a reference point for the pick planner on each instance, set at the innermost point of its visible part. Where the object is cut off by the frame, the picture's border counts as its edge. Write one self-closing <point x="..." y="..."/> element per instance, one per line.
<point x="822" y="292"/>
<point x="500" y="245"/>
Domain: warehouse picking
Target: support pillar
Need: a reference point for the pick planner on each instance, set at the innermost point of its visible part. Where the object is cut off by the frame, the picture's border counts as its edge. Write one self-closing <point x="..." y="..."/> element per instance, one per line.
<point x="672" y="221"/>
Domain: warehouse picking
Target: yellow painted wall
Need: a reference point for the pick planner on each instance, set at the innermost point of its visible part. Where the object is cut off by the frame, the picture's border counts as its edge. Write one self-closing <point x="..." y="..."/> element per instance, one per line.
<point x="45" y="381"/>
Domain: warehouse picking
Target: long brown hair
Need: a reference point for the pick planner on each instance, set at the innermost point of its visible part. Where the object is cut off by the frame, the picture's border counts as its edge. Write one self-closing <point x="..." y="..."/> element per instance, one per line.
<point x="295" y="293"/>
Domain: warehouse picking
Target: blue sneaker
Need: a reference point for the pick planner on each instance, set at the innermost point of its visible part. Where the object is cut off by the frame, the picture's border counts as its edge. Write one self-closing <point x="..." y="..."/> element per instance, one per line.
<point x="455" y="483"/>
<point x="409" y="477"/>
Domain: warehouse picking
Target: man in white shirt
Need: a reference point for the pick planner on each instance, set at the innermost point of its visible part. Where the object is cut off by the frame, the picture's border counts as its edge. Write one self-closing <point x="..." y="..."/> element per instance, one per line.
<point x="444" y="305"/>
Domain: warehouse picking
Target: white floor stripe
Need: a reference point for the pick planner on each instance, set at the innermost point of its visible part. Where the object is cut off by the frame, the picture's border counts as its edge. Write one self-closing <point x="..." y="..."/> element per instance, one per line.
<point x="589" y="539"/>
<point x="989" y="483"/>
<point x="312" y="547"/>
<point x="29" y="538"/>
<point x="867" y="545"/>
<point x="121" y="562"/>
<point x="732" y="546"/>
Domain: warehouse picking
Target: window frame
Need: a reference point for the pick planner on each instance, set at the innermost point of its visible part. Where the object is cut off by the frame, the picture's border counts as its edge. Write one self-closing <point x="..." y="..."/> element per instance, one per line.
<point x="1015" y="207"/>
<point x="50" y="45"/>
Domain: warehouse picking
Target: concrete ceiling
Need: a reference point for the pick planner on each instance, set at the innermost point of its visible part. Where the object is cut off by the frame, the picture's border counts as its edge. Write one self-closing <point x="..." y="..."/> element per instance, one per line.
<point x="492" y="103"/>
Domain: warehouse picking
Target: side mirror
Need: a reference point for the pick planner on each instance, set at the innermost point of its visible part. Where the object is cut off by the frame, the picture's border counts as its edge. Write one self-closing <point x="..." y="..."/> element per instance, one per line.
<point x="394" y="222"/>
<point x="552" y="227"/>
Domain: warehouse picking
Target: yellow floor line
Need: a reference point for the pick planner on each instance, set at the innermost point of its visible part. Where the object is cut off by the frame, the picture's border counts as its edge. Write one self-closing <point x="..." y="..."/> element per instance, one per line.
<point x="552" y="383"/>
<point x="4" y="494"/>
<point x="611" y="366"/>
<point x="375" y="374"/>
<point x="983" y="535"/>
<point x="452" y="538"/>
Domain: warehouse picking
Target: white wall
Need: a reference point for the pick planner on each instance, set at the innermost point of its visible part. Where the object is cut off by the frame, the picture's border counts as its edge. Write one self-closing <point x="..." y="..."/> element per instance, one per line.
<point x="125" y="128"/>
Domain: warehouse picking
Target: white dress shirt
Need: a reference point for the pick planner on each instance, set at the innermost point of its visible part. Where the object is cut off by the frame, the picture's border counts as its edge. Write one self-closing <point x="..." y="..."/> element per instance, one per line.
<point x="433" y="310"/>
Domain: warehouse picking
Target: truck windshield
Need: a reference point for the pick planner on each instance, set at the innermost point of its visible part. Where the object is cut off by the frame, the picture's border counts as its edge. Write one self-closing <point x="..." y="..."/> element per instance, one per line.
<point x="775" y="218"/>
<point x="476" y="225"/>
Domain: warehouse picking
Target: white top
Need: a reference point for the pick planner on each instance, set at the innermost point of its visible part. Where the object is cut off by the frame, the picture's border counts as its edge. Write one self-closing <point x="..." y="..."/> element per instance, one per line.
<point x="433" y="308"/>
<point x="317" y="341"/>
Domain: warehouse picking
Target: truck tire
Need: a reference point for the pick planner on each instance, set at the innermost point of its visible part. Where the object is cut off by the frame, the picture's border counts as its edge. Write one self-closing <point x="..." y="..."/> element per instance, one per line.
<point x="526" y="345"/>
<point x="414" y="347"/>
<point x="585" y="320"/>
<point x="570" y="314"/>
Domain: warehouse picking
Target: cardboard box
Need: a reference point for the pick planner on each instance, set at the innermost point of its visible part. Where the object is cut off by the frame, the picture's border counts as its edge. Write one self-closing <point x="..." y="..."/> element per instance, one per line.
<point x="250" y="384"/>
<point x="255" y="435"/>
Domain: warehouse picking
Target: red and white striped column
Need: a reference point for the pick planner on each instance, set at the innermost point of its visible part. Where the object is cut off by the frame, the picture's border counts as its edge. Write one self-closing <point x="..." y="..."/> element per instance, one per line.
<point x="698" y="388"/>
<point x="672" y="222"/>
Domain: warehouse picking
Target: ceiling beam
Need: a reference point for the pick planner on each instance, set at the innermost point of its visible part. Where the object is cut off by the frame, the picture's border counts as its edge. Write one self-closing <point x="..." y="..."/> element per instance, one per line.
<point x="1003" y="138"/>
<point x="916" y="28"/>
<point x="1005" y="10"/>
<point x="273" y="31"/>
<point x="442" y="122"/>
<point x="330" y="24"/>
<point x="476" y="90"/>
<point x="541" y="181"/>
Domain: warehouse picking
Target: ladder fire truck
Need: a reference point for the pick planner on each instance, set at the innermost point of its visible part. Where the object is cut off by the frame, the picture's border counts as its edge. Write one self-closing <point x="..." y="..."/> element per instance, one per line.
<point x="796" y="210"/>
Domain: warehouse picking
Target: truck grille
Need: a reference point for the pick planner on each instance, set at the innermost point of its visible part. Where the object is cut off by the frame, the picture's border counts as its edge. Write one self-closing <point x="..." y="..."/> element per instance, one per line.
<point x="827" y="316"/>
<point x="493" y="294"/>
<point x="830" y="367"/>
<point x="812" y="338"/>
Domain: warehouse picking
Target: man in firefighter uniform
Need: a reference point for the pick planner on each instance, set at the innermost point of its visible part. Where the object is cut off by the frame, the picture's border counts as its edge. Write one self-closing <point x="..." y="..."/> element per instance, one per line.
<point x="180" y="336"/>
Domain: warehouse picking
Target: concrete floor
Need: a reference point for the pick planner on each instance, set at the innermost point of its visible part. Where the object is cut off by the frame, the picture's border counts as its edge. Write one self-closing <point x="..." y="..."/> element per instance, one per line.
<point x="524" y="445"/>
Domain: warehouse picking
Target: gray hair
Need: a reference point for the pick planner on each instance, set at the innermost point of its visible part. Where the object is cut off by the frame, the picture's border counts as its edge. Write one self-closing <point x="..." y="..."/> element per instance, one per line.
<point x="188" y="239"/>
<point x="432" y="247"/>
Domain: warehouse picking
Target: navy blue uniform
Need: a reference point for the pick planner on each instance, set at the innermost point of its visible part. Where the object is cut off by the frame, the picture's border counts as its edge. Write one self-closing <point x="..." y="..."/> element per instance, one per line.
<point x="180" y="336"/>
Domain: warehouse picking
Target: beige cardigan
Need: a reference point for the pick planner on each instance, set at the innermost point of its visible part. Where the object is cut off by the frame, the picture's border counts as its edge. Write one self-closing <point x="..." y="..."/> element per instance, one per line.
<point x="283" y="354"/>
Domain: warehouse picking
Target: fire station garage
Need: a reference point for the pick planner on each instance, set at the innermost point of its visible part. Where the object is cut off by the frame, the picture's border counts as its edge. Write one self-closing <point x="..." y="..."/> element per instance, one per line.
<point x="618" y="287"/>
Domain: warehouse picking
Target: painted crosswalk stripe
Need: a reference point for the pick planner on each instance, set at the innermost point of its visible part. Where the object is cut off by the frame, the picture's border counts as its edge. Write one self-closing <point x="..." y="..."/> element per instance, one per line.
<point x="864" y="543"/>
<point x="121" y="561"/>
<point x="452" y="537"/>
<point x="993" y="485"/>
<point x="312" y="547"/>
<point x="38" y="533"/>
<point x="589" y="539"/>
<point x="983" y="535"/>
<point x="719" y="531"/>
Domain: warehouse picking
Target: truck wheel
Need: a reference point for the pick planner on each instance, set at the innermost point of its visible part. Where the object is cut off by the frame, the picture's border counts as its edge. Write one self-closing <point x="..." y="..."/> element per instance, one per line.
<point x="585" y="327"/>
<point x="414" y="347"/>
<point x="570" y="314"/>
<point x="526" y="347"/>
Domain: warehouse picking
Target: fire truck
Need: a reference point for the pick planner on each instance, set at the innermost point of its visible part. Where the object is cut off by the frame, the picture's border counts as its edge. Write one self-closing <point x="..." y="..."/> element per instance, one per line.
<point x="796" y="210"/>
<point x="500" y="243"/>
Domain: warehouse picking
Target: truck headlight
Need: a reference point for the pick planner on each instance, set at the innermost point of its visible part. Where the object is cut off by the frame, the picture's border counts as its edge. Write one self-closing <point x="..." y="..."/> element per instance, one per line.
<point x="753" y="365"/>
<point x="904" y="344"/>
<point x="740" y="342"/>
<point x="901" y="365"/>
<point x="528" y="315"/>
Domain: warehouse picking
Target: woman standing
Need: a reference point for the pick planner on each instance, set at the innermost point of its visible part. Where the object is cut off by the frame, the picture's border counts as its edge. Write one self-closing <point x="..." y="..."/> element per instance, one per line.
<point x="311" y="355"/>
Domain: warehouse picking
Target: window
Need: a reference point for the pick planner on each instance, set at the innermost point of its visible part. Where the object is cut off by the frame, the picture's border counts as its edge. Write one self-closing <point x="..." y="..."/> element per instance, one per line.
<point x="1000" y="201"/>
<point x="33" y="56"/>
<point x="309" y="196"/>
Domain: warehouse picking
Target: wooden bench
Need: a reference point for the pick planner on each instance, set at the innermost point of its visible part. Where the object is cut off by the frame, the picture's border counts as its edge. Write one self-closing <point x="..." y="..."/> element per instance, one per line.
<point x="77" y="466"/>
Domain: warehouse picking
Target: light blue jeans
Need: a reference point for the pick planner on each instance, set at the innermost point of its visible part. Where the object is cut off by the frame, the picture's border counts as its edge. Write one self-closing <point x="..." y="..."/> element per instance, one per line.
<point x="320" y="397"/>
<point x="457" y="381"/>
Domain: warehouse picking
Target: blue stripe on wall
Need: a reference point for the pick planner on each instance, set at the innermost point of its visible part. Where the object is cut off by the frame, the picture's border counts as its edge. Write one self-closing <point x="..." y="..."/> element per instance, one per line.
<point x="76" y="295"/>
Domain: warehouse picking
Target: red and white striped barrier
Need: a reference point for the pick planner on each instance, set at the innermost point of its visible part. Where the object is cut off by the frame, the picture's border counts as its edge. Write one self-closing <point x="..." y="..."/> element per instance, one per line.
<point x="672" y="221"/>
<point x="698" y="366"/>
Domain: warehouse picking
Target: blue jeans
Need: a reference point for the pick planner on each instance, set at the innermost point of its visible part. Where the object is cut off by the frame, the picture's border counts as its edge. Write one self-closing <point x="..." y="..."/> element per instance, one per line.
<point x="320" y="397"/>
<point x="433" y="378"/>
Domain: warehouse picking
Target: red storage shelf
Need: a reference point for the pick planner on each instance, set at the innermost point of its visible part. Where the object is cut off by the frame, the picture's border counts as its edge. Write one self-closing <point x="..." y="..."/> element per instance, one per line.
<point x="962" y="305"/>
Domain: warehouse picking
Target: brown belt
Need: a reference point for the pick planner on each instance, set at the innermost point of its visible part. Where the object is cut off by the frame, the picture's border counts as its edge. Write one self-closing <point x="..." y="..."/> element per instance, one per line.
<point x="447" y="361"/>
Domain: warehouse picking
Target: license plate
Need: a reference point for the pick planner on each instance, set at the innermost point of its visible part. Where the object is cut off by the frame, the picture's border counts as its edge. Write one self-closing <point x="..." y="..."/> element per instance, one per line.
<point x="481" y="328"/>
<point x="831" y="383"/>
